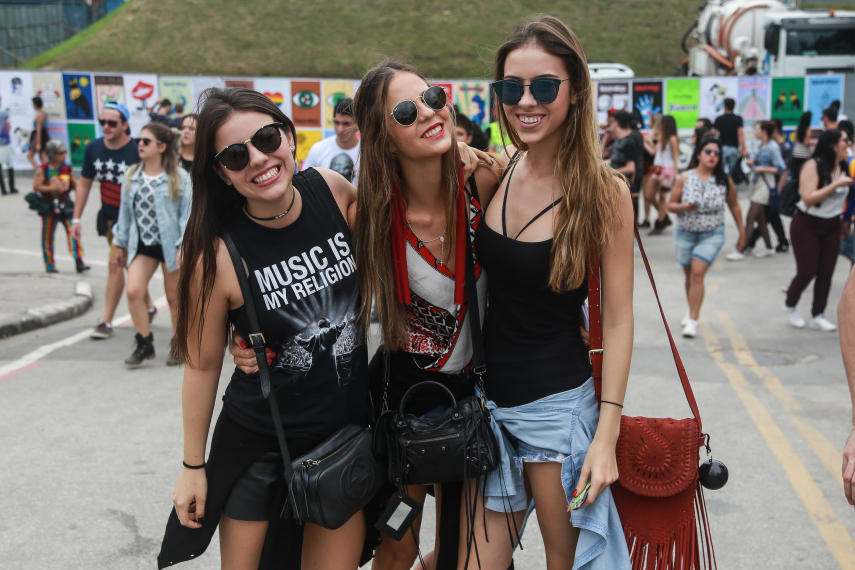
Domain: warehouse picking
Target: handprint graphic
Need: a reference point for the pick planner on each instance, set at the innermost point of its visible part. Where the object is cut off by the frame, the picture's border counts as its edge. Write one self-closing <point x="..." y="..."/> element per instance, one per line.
<point x="645" y="107"/>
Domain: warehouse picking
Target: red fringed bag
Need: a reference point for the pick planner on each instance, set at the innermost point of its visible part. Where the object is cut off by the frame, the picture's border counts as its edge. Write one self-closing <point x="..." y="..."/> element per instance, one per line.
<point x="658" y="493"/>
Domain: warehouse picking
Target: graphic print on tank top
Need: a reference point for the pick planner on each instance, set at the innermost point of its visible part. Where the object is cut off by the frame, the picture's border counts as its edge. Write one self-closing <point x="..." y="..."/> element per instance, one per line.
<point x="308" y="293"/>
<point x="439" y="339"/>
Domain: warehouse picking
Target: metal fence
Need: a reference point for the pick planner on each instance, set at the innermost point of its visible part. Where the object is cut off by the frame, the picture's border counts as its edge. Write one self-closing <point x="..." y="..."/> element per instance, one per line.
<point x="29" y="29"/>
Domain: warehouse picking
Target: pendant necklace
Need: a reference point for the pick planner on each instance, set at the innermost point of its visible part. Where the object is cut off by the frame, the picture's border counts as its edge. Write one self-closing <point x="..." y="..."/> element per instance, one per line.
<point x="283" y="214"/>
<point x="421" y="242"/>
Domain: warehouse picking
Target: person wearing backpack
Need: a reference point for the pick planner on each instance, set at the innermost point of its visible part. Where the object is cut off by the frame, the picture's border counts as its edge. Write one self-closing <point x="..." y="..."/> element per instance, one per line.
<point x="815" y="231"/>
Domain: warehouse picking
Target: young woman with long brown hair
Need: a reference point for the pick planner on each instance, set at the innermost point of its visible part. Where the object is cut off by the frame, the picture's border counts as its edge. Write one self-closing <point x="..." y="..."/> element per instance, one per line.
<point x="558" y="206"/>
<point x="292" y="231"/>
<point x="666" y="151"/>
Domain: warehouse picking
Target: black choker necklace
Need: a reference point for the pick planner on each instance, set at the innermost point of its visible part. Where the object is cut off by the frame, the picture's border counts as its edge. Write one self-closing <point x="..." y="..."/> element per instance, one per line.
<point x="285" y="213"/>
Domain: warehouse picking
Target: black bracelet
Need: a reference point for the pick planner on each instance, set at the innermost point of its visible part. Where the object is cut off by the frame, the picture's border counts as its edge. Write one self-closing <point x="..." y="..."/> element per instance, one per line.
<point x="193" y="466"/>
<point x="601" y="401"/>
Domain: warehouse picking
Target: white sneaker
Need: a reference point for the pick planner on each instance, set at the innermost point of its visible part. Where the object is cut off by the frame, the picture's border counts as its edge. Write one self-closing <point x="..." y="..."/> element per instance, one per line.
<point x="691" y="328"/>
<point x="795" y="318"/>
<point x="820" y="323"/>
<point x="760" y="253"/>
<point x="735" y="256"/>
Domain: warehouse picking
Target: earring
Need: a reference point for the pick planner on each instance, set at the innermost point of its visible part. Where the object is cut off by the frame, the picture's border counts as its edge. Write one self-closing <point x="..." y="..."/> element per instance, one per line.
<point x="292" y="148"/>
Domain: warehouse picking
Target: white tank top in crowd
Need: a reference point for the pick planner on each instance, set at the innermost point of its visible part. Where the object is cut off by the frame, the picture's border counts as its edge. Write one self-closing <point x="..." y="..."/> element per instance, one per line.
<point x="830" y="207"/>
<point x="664" y="157"/>
<point x="439" y="329"/>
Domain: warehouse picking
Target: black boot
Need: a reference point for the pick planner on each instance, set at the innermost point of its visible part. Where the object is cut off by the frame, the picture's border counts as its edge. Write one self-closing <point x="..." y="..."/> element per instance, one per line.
<point x="143" y="350"/>
<point x="12" y="189"/>
<point x="81" y="267"/>
<point x="2" y="183"/>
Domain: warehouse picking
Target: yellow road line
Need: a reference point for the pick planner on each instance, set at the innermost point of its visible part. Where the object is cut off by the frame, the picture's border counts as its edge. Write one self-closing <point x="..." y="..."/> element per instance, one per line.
<point x="828" y="455"/>
<point x="819" y="509"/>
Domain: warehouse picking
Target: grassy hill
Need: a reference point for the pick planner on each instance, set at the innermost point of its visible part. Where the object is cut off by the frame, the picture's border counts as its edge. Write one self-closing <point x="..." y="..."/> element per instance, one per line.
<point x="333" y="38"/>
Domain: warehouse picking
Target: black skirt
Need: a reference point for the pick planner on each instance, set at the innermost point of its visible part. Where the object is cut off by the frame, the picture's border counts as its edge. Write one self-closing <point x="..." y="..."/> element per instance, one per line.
<point x="234" y="449"/>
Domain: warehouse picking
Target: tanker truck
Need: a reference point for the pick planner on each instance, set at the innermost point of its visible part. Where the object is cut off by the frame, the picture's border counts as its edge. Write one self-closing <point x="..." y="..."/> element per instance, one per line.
<point x="769" y="37"/>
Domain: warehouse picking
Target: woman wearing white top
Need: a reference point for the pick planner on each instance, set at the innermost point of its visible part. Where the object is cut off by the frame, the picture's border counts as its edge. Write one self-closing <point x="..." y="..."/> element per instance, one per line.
<point x="815" y="230"/>
<point x="664" y="171"/>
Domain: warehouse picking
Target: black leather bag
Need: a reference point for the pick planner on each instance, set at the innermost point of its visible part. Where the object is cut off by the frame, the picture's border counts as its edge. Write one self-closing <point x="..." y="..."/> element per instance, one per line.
<point x="334" y="481"/>
<point x="459" y="444"/>
<point x="66" y="208"/>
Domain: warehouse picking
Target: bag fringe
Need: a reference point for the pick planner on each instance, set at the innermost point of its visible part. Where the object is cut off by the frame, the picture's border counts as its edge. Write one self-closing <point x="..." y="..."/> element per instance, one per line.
<point x="689" y="547"/>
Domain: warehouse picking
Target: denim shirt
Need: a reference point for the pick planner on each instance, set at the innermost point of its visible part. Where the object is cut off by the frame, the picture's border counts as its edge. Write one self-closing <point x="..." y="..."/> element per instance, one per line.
<point x="171" y="216"/>
<point x="769" y="155"/>
<point x="565" y="423"/>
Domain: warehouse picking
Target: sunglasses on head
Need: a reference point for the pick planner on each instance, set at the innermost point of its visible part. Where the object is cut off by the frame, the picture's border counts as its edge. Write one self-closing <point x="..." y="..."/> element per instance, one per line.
<point x="267" y="139"/>
<point x="406" y="112"/>
<point x="111" y="123"/>
<point x="712" y="151"/>
<point x="543" y="89"/>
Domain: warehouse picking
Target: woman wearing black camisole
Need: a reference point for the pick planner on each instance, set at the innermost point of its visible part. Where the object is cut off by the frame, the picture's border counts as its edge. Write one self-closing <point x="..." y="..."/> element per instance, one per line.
<point x="559" y="205"/>
<point x="292" y="232"/>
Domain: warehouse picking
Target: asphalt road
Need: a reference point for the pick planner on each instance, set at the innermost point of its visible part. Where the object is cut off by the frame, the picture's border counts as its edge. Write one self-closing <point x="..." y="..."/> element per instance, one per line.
<point x="91" y="450"/>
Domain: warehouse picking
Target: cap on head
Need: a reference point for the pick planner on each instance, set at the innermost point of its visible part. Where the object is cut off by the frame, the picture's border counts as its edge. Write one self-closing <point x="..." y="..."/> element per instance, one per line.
<point x="120" y="107"/>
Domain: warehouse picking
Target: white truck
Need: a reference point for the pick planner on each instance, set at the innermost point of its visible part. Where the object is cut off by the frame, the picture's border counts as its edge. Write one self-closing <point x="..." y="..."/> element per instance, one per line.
<point x="769" y="37"/>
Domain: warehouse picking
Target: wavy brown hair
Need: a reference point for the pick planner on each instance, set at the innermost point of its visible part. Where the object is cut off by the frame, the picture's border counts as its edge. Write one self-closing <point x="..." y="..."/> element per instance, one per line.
<point x="169" y="158"/>
<point x="214" y="202"/>
<point x="589" y="210"/>
<point x="379" y="173"/>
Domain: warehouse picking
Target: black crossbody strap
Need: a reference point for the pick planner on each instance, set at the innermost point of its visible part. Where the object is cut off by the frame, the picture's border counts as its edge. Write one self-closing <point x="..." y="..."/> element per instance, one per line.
<point x="256" y="339"/>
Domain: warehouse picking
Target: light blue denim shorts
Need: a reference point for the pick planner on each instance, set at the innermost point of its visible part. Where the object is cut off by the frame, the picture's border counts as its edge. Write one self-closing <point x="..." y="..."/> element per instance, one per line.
<point x="698" y="245"/>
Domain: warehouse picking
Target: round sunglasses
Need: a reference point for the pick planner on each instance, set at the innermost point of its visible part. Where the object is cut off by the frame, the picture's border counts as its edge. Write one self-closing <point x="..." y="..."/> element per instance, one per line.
<point x="543" y="89"/>
<point x="267" y="139"/>
<point x="712" y="151"/>
<point x="406" y="112"/>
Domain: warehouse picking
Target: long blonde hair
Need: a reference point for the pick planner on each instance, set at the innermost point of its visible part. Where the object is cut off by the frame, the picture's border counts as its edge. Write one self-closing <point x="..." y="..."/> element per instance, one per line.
<point x="169" y="158"/>
<point x="589" y="210"/>
<point x="379" y="176"/>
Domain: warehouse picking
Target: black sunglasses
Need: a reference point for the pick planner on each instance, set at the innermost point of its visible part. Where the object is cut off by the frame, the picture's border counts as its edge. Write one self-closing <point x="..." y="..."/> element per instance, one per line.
<point x="712" y="151"/>
<point x="113" y="124"/>
<point x="267" y="139"/>
<point x="543" y="89"/>
<point x="406" y="112"/>
<point x="145" y="141"/>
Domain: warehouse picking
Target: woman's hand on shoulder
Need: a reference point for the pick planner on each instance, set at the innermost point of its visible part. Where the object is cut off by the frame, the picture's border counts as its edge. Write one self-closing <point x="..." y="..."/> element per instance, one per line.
<point x="343" y="192"/>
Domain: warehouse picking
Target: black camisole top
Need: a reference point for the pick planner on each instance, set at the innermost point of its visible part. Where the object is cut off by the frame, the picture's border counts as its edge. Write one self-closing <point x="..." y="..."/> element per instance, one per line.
<point x="533" y="344"/>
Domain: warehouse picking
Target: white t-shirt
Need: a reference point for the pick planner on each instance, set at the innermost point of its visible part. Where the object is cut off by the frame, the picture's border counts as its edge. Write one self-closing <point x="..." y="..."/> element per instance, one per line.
<point x="327" y="154"/>
<point x="833" y="204"/>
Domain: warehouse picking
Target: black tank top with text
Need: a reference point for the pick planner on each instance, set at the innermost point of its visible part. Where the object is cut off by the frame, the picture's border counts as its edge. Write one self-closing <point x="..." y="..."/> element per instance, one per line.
<point x="304" y="284"/>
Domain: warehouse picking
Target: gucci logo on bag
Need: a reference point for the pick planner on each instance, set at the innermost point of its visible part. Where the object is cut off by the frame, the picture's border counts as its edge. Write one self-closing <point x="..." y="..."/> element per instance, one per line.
<point x="356" y="480"/>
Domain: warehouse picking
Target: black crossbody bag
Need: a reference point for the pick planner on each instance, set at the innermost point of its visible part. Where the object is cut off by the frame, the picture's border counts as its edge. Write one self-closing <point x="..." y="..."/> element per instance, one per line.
<point x="459" y="444"/>
<point x="334" y="481"/>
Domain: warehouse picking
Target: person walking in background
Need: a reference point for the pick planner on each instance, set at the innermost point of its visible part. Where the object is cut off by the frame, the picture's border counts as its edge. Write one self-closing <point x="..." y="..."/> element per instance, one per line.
<point x="801" y="148"/>
<point x="156" y="196"/>
<point x="341" y="152"/>
<point x="767" y="165"/>
<point x="6" y="155"/>
<point x="177" y="119"/>
<point x="624" y="152"/>
<point x="829" y="118"/>
<point x="107" y="159"/>
<point x="638" y="138"/>
<point x="815" y="230"/>
<point x="698" y="199"/>
<point x="187" y="142"/>
<point x="54" y="180"/>
<point x="649" y="152"/>
<point x="159" y="112"/>
<point x="846" y="318"/>
<point x="729" y="128"/>
<point x="666" y="157"/>
<point x="39" y="137"/>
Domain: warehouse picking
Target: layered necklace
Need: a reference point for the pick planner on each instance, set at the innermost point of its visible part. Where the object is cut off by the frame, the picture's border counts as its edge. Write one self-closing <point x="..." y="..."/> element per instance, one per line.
<point x="422" y="242"/>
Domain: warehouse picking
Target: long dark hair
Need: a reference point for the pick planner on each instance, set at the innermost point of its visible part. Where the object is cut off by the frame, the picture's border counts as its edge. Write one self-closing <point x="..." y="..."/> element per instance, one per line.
<point x="826" y="156"/>
<point x="169" y="158"/>
<point x="667" y="129"/>
<point x="214" y="202"/>
<point x="379" y="171"/>
<point x="718" y="172"/>
<point x="804" y="127"/>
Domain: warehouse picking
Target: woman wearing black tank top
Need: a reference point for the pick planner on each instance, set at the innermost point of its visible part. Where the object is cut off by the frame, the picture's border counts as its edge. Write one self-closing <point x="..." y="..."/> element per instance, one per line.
<point x="292" y="231"/>
<point x="557" y="206"/>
